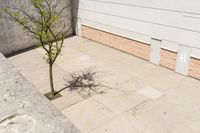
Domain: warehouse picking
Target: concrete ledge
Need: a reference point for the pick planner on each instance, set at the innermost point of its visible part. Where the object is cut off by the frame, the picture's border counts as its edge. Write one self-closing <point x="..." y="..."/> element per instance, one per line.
<point x="23" y="109"/>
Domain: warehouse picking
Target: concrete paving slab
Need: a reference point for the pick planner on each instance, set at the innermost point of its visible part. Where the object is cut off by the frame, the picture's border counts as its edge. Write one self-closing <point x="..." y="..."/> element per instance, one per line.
<point x="28" y="60"/>
<point x="83" y="58"/>
<point x="120" y="81"/>
<point x="119" y="103"/>
<point x="150" y="92"/>
<point x="88" y="115"/>
<point x="127" y="123"/>
<point x="169" y="104"/>
<point x="68" y="99"/>
<point x="75" y="41"/>
<point x="27" y="63"/>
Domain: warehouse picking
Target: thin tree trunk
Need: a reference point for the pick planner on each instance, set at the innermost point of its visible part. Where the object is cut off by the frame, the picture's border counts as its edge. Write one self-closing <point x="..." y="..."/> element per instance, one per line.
<point x="51" y="78"/>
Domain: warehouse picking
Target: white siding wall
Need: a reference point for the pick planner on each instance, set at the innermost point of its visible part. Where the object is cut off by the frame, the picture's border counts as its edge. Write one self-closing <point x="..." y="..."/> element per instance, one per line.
<point x="175" y="22"/>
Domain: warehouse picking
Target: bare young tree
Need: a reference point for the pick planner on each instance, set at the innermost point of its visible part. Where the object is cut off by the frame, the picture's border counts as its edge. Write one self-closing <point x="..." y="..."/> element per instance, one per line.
<point x="43" y="19"/>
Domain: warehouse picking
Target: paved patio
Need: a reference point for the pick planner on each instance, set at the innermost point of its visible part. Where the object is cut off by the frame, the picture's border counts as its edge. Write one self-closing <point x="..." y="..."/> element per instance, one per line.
<point x="142" y="98"/>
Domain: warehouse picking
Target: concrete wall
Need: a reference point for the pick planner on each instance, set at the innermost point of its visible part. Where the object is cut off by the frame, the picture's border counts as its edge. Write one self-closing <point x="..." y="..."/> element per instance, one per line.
<point x="13" y="38"/>
<point x="174" y="23"/>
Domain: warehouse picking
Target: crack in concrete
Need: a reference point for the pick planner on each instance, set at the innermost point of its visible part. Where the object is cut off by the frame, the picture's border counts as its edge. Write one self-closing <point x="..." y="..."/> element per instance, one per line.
<point x="116" y="116"/>
<point x="17" y="123"/>
<point x="8" y="118"/>
<point x="138" y="106"/>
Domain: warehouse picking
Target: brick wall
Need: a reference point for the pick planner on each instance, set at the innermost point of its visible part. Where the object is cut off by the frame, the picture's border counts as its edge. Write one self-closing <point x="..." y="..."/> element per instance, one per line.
<point x="130" y="46"/>
<point x="194" y="68"/>
<point x="139" y="49"/>
<point x="168" y="59"/>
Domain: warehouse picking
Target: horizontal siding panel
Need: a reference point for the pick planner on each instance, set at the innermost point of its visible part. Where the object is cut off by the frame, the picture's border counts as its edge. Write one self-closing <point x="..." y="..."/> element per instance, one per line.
<point x="187" y="6"/>
<point x="149" y="15"/>
<point x="117" y="30"/>
<point x="191" y="22"/>
<point x="136" y="13"/>
<point x="164" y="19"/>
<point x="157" y="4"/>
<point x="191" y="6"/>
<point x="136" y="26"/>
<point x="157" y="31"/>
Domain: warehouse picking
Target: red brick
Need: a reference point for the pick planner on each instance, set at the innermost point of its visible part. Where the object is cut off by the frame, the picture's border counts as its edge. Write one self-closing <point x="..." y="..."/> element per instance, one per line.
<point x="128" y="45"/>
<point x="194" y="68"/>
<point x="168" y="59"/>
